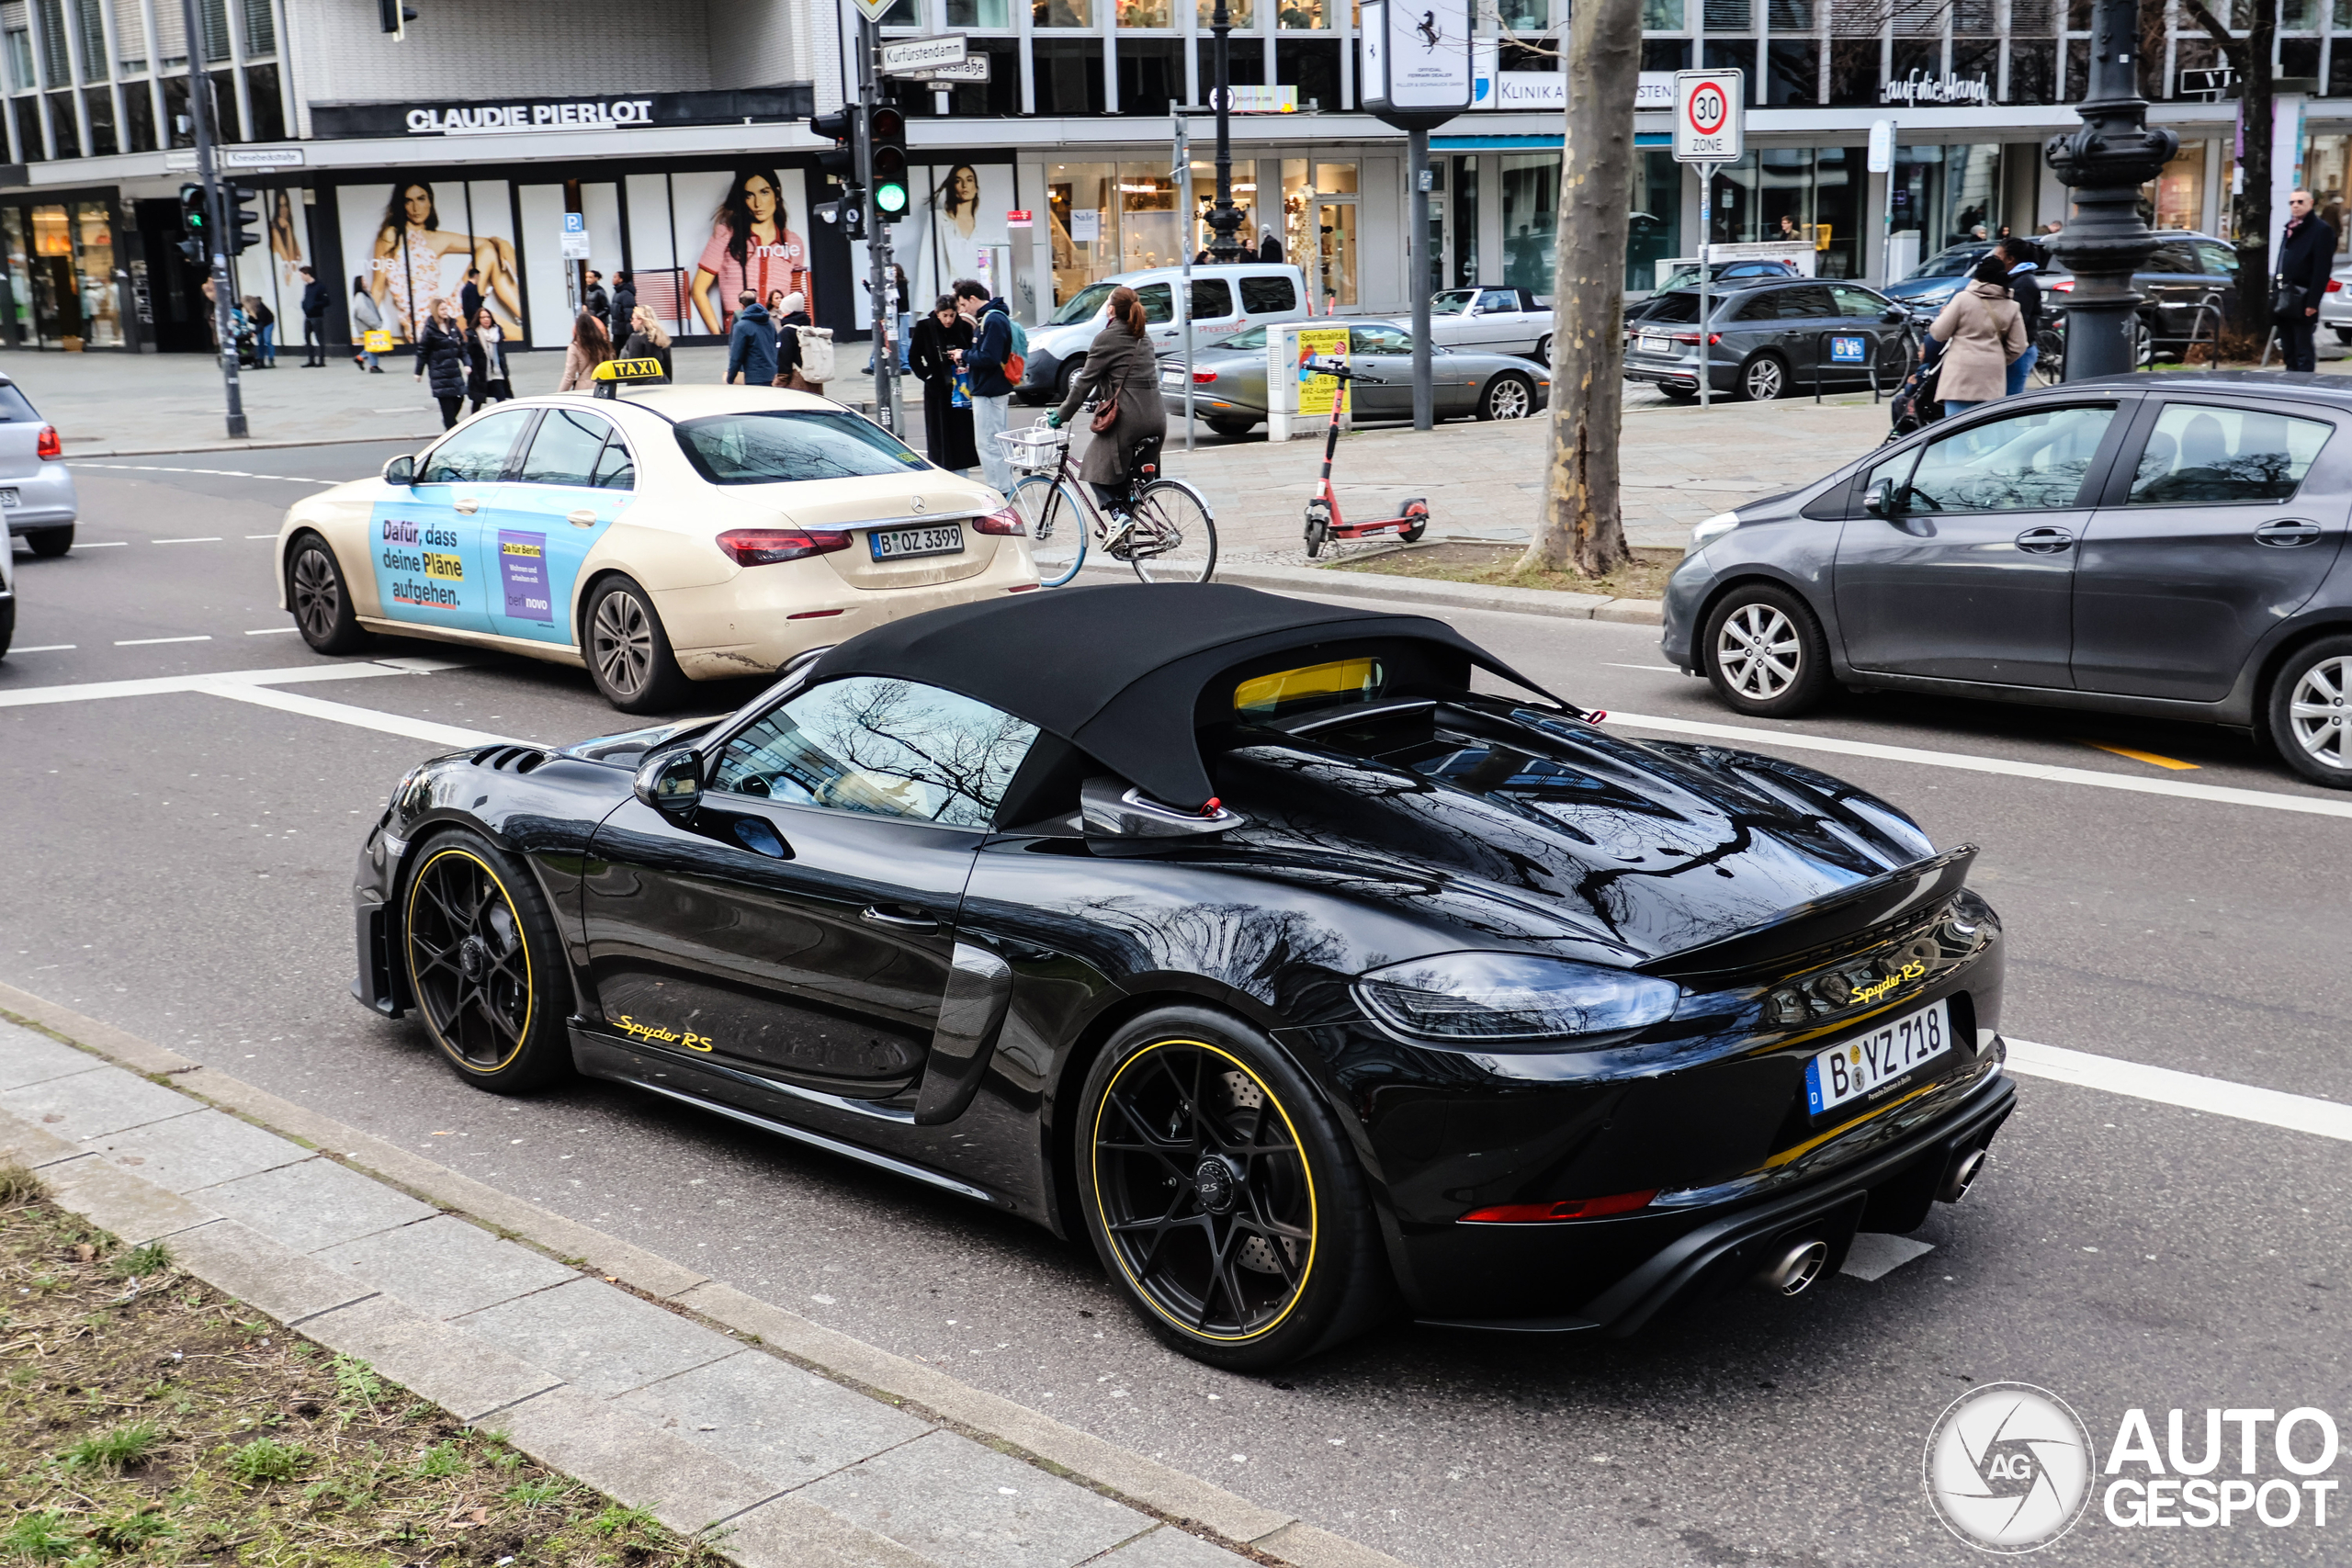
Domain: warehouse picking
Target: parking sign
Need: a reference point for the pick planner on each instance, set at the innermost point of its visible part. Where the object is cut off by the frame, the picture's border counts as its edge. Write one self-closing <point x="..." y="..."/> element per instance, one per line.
<point x="1707" y="116"/>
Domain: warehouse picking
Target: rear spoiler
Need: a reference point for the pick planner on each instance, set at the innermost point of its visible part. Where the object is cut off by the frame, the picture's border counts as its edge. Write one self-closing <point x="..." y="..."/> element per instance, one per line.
<point x="1823" y="922"/>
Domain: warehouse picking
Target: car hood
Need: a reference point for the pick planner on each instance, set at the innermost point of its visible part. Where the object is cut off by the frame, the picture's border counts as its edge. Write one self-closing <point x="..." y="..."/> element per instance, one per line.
<point x="1544" y="830"/>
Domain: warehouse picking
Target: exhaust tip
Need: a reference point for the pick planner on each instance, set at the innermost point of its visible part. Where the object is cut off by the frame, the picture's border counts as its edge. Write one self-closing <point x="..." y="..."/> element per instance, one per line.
<point x="1793" y="1273"/>
<point x="1961" y="1177"/>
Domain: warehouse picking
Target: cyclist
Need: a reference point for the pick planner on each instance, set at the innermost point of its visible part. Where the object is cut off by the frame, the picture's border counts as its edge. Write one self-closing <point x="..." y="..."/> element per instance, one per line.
<point x="1120" y="373"/>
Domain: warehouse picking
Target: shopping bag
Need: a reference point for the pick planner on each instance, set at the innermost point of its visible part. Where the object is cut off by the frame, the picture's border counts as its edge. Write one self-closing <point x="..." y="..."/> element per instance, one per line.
<point x="378" y="340"/>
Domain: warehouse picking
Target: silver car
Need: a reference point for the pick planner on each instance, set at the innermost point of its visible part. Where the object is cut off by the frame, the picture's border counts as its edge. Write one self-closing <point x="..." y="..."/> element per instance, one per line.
<point x="1504" y="321"/>
<point x="7" y="599"/>
<point x="1230" y="381"/>
<point x="36" y="487"/>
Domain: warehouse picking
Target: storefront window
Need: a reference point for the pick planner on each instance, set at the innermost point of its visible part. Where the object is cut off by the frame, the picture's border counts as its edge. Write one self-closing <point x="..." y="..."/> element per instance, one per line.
<point x="1241" y="13"/>
<point x="1061" y="13"/>
<point x="1336" y="262"/>
<point x="57" y="303"/>
<point x="19" y="322"/>
<point x="1945" y="193"/>
<point x="1531" y="222"/>
<point x="1146" y="13"/>
<point x="1150" y="230"/>
<point x="1657" y="230"/>
<point x="93" y="274"/>
<point x="1797" y="192"/>
<point x="979" y="12"/>
<point x="1244" y="190"/>
<point x="1084" y="215"/>
<point x="2178" y="193"/>
<point x="2328" y="170"/>
<point x="1299" y="16"/>
<point x="1464" y="182"/>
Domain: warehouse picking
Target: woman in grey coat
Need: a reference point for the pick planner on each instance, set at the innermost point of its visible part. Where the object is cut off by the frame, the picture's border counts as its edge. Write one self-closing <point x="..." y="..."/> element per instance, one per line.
<point x="1120" y="364"/>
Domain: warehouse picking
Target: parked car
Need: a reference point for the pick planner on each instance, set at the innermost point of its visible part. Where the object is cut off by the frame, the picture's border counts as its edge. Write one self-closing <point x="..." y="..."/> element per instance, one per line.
<point x="1230" y="381"/>
<point x="1225" y="300"/>
<point x="2160" y="545"/>
<point x="2189" y="289"/>
<point x="36" y="487"/>
<point x="7" y="600"/>
<point x="1768" y="339"/>
<point x="2336" y="306"/>
<point x="685" y="534"/>
<point x="1507" y="320"/>
<point x="1753" y="269"/>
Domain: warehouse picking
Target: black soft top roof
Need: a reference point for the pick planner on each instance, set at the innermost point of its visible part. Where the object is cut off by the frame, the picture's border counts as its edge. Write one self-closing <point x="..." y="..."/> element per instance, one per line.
<point x="1119" y="671"/>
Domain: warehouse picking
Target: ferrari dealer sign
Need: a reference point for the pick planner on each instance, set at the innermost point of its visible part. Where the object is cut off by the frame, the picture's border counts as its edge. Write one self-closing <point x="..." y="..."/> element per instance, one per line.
<point x="1707" y="118"/>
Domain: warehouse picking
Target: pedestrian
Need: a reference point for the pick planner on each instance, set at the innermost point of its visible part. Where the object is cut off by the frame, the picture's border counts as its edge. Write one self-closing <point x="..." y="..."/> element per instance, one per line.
<point x="790" y="313"/>
<point x="648" y="339"/>
<point x="1983" y="334"/>
<point x="750" y="344"/>
<point x="314" y="318"/>
<point x="1122" y="378"/>
<point x="939" y="340"/>
<point x="599" y="303"/>
<point x="2306" y="252"/>
<point x="590" y="345"/>
<point x="986" y="362"/>
<point x="902" y="321"/>
<point x="367" y="316"/>
<point x="441" y="352"/>
<point x="487" y="380"/>
<point x="2024" y="259"/>
<point x="1270" y="245"/>
<point x="265" y="320"/>
<point x="623" y="315"/>
<point x="470" y="296"/>
<point x="2054" y="227"/>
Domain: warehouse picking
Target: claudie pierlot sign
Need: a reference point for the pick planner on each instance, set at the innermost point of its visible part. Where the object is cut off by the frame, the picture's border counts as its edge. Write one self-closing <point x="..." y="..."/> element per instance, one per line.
<point x="525" y="116"/>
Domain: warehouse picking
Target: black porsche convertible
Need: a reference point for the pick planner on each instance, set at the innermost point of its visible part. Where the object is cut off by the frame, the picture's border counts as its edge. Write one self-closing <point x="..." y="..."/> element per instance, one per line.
<point x="1311" y="961"/>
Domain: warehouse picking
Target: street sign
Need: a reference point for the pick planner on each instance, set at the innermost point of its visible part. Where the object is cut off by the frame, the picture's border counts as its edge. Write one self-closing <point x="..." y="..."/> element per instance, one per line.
<point x="903" y="57"/>
<point x="1416" y="61"/>
<point x="1708" y="115"/>
<point x="971" y="68"/>
<point x="1882" y="159"/>
<point x="1019" y="218"/>
<point x="575" y="236"/>
<point x="874" y="10"/>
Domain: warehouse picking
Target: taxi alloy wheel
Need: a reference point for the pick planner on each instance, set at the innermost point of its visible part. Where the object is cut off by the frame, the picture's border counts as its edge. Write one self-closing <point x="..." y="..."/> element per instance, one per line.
<point x="2311" y="712"/>
<point x="483" y="965"/>
<point x="1224" y="1204"/>
<point x="1764" y="652"/>
<point x="323" y="610"/>
<point x="628" y="651"/>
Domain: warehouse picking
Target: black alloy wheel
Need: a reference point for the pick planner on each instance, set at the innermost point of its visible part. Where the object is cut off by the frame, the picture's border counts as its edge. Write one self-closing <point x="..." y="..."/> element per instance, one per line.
<point x="1764" y="379"/>
<point x="1764" y="652"/>
<point x="628" y="651"/>
<point x="1222" y="1198"/>
<point x="483" y="965"/>
<point x="50" y="543"/>
<point x="322" y="611"/>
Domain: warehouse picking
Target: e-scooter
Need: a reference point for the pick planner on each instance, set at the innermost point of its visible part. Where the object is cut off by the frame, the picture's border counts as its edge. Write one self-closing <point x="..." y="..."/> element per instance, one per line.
<point x="1323" y="519"/>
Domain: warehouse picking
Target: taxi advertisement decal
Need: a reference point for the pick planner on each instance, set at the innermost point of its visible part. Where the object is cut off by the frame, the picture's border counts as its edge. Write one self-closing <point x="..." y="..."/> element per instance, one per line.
<point x="523" y="568"/>
<point x="420" y="571"/>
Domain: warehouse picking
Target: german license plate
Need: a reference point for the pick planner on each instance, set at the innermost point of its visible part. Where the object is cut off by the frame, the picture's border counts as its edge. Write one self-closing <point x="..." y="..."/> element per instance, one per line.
<point x="898" y="544"/>
<point x="1656" y="343"/>
<point x="1171" y="377"/>
<point x="1859" y="1067"/>
<point x="10" y="498"/>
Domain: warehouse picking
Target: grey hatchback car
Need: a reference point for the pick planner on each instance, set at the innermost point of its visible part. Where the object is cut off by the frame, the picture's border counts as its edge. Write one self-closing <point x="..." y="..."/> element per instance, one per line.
<point x="2163" y="546"/>
<point x="36" y="487"/>
<point x="1767" y="339"/>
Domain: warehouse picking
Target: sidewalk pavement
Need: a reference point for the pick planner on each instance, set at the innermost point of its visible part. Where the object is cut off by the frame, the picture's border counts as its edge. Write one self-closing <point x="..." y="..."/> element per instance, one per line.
<point x="790" y="1444"/>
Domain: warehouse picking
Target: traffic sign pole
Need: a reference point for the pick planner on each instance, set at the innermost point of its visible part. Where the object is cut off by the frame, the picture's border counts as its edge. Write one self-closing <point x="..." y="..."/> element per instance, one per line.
<point x="1710" y="130"/>
<point x="1706" y="276"/>
<point x="224" y="289"/>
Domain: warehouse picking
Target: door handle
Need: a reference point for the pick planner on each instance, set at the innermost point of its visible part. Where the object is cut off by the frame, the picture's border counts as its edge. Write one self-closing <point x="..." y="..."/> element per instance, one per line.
<point x="883" y="914"/>
<point x="2045" y="541"/>
<point x="583" y="518"/>
<point x="2287" y="534"/>
<point x="467" y="507"/>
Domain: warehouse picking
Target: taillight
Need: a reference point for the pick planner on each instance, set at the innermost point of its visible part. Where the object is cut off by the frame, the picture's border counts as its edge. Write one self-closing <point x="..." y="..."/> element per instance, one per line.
<point x="2063" y="286"/>
<point x="1686" y="337"/>
<point x="1004" y="522"/>
<point x="764" y="546"/>
<point x="2336" y="285"/>
<point x="1204" y="377"/>
<point x="50" y="445"/>
<point x="1566" y="1208"/>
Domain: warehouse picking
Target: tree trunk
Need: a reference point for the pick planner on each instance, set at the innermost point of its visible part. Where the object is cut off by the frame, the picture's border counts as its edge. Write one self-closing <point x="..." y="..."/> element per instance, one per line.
<point x="2250" y="58"/>
<point x="1582" y="526"/>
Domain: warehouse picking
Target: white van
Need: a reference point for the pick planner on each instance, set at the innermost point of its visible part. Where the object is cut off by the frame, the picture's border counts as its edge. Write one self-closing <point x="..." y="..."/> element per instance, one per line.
<point x="1225" y="300"/>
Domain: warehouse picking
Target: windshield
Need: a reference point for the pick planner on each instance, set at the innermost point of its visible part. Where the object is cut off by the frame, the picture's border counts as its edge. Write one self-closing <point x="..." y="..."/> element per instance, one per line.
<point x="1453" y="301"/>
<point x="1666" y="308"/>
<point x="1085" y="303"/>
<point x="1254" y="338"/>
<point x="781" y="446"/>
<point x="1951" y="263"/>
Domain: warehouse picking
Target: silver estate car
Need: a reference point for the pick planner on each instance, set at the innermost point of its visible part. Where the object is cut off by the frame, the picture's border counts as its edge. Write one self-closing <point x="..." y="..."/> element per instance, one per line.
<point x="1230" y="381"/>
<point x="36" y="487"/>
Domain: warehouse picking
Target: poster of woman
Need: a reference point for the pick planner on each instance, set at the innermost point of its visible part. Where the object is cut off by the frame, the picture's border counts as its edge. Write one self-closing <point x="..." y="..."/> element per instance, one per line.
<point x="288" y="252"/>
<point x="416" y="257"/>
<point x="752" y="249"/>
<point x="963" y="217"/>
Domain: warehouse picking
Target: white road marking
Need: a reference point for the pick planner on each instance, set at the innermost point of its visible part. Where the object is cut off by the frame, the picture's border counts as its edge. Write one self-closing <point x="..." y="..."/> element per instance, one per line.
<point x="47" y="648"/>
<point x="274" y="631"/>
<point x="1875" y="1254"/>
<point x="261" y="535"/>
<point x="224" y="473"/>
<point x="157" y="685"/>
<point x="1662" y="669"/>
<point x="204" y="539"/>
<point x="99" y="543"/>
<point x="2193" y="1091"/>
<point x="364" y="718"/>
<point x="2219" y="794"/>
<point x="151" y="642"/>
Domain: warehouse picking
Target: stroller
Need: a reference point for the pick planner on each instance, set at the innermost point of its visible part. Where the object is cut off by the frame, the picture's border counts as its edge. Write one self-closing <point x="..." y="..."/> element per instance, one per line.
<point x="1915" y="402"/>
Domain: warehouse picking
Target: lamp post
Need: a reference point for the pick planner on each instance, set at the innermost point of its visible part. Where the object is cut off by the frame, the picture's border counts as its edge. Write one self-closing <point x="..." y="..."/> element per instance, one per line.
<point x="1224" y="217"/>
<point x="2106" y="162"/>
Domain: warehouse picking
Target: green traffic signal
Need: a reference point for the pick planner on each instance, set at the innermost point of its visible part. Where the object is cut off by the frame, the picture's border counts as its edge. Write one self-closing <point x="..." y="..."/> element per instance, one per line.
<point x="890" y="196"/>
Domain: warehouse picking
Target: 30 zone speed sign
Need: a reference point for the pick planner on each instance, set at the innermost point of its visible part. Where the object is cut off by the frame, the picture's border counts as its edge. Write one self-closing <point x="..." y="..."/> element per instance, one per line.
<point x="1707" y="119"/>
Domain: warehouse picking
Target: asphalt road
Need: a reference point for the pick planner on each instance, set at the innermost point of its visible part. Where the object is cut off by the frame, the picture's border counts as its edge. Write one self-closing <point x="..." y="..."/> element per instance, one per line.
<point x="179" y="864"/>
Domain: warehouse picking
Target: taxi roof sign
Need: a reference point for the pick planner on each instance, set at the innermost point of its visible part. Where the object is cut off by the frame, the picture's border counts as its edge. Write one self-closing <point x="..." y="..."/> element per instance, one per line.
<point x="613" y="372"/>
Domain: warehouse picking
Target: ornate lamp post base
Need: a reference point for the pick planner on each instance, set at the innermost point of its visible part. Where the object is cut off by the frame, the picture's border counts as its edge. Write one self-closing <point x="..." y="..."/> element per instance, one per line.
<point x="2106" y="162"/>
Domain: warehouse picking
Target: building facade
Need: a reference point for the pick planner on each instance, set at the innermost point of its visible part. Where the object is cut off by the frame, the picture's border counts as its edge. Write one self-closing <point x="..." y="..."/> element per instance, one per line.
<point x="676" y="137"/>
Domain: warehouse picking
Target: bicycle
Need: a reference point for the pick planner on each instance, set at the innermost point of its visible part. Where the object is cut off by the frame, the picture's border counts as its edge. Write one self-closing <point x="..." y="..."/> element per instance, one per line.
<point x="1167" y="532"/>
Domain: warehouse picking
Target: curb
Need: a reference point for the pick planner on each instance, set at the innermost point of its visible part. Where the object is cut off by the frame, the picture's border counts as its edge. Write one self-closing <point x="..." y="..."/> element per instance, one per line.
<point x="1446" y="595"/>
<point x="1256" y="1532"/>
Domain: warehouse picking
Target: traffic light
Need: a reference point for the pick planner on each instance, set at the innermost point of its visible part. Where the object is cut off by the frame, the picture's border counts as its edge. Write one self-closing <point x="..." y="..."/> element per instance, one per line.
<point x="887" y="162"/>
<point x="838" y="160"/>
<point x="195" y="225"/>
<point x="848" y="211"/>
<point x="245" y="223"/>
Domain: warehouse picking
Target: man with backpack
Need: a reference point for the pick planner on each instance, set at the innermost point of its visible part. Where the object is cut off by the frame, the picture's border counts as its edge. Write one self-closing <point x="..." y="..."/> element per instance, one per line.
<point x="994" y="361"/>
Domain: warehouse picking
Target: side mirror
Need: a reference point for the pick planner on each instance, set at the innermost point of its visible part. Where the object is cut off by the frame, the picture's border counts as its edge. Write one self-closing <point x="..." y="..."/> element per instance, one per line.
<point x="401" y="471"/>
<point x="1112" y="810"/>
<point x="1895" y="316"/>
<point x="1881" y="499"/>
<point x="671" y="783"/>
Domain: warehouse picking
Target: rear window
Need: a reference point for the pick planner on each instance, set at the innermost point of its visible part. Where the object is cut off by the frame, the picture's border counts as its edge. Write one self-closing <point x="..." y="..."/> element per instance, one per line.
<point x="13" y="406"/>
<point x="1669" y="308"/>
<point x="781" y="446"/>
<point x="1267" y="296"/>
<point x="1288" y="692"/>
